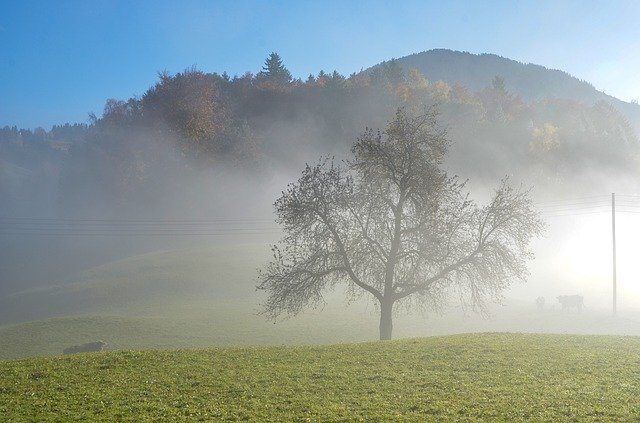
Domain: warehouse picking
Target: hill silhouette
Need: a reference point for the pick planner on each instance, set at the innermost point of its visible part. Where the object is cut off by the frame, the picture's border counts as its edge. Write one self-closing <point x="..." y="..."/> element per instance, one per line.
<point x="532" y="82"/>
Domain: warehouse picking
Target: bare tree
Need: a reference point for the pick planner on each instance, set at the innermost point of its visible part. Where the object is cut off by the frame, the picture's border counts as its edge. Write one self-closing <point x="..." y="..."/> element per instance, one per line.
<point x="391" y="223"/>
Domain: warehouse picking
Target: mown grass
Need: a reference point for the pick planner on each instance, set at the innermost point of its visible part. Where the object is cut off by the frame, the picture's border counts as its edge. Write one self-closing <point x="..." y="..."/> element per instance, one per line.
<point x="480" y="377"/>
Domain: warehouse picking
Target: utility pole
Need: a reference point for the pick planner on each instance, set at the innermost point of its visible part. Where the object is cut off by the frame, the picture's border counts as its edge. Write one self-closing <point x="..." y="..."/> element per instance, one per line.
<point x="613" y="227"/>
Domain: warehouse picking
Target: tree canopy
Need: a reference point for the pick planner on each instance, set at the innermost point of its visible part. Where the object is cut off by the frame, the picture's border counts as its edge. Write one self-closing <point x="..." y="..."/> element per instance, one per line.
<point x="391" y="223"/>
<point x="274" y="70"/>
<point x="247" y="122"/>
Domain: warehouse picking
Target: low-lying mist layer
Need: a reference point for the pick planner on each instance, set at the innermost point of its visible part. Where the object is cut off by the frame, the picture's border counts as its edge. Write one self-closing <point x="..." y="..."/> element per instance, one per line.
<point x="202" y="297"/>
<point x="199" y="158"/>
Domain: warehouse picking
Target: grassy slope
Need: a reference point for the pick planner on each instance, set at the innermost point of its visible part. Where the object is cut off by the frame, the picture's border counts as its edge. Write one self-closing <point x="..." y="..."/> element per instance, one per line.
<point x="218" y="325"/>
<point x="503" y="377"/>
<point x="206" y="297"/>
<point x="172" y="299"/>
<point x="145" y="284"/>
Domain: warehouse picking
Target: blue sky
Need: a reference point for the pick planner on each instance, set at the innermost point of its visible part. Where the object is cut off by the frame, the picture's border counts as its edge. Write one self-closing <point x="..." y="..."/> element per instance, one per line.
<point x="61" y="59"/>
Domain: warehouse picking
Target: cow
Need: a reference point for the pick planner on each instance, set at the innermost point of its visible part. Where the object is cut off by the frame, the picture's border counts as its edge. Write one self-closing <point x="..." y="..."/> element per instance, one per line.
<point x="540" y="303"/>
<point x="88" y="347"/>
<point x="570" y="301"/>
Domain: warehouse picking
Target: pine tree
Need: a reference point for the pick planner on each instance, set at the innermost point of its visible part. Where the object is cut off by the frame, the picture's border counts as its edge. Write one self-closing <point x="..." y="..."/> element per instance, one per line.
<point x="274" y="71"/>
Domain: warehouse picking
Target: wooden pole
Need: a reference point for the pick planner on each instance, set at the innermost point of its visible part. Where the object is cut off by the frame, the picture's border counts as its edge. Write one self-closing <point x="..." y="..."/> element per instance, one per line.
<point x="613" y="228"/>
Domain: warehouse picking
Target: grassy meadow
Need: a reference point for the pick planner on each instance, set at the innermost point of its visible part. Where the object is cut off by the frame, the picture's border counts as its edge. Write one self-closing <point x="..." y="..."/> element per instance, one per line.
<point x="186" y="343"/>
<point x="190" y="298"/>
<point x="205" y="297"/>
<point x="473" y="377"/>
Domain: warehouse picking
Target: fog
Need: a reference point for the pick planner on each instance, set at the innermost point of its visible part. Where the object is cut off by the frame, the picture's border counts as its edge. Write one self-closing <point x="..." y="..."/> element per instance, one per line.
<point x="134" y="191"/>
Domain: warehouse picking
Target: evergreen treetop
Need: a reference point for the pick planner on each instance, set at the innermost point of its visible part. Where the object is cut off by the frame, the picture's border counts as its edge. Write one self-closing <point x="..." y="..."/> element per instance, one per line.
<point x="274" y="70"/>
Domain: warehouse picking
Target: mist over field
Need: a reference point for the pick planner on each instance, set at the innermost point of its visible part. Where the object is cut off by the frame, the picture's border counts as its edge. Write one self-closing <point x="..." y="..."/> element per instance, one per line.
<point x="164" y="202"/>
<point x="319" y="211"/>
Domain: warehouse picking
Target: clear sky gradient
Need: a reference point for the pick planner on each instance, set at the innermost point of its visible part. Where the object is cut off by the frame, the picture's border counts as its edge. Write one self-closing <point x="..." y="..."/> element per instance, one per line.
<point x="60" y="60"/>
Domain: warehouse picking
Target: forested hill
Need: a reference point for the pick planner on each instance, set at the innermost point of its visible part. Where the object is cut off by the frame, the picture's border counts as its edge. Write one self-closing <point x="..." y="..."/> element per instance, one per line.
<point x="532" y="82"/>
<point x="203" y="145"/>
<point x="542" y="126"/>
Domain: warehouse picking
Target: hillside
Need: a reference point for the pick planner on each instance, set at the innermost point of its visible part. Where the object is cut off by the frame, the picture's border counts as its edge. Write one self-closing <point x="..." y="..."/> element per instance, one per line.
<point x="532" y="82"/>
<point x="164" y="147"/>
<point x="145" y="284"/>
<point x="496" y="377"/>
<point x="11" y="173"/>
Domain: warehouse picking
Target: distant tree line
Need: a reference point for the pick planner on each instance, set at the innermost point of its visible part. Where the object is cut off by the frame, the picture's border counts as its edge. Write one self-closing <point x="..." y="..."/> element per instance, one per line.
<point x="256" y="123"/>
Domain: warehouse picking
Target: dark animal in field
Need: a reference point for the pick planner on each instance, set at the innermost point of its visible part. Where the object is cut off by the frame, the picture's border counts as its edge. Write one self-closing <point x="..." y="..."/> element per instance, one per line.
<point x="88" y="347"/>
<point x="570" y="301"/>
<point x="540" y="303"/>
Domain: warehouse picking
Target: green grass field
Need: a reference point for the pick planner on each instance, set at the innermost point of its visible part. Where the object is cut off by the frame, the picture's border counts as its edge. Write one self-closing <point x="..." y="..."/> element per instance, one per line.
<point x="198" y="327"/>
<point x="490" y="377"/>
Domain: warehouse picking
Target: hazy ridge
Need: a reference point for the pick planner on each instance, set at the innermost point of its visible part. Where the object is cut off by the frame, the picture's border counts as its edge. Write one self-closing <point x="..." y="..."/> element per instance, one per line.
<point x="531" y="81"/>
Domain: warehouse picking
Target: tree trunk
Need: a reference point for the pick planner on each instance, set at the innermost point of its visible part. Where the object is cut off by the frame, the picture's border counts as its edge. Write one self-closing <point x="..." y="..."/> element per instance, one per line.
<point x="386" y="319"/>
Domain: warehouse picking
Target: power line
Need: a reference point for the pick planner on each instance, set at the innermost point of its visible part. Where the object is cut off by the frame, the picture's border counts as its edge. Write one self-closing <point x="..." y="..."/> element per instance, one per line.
<point x="142" y="221"/>
<point x="153" y="234"/>
<point x="575" y="214"/>
<point x="87" y="226"/>
<point x="571" y="204"/>
<point x="62" y="226"/>
<point x="627" y="198"/>
<point x="579" y="199"/>
<point x="561" y="209"/>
